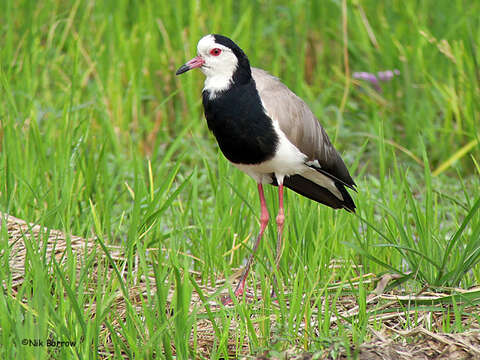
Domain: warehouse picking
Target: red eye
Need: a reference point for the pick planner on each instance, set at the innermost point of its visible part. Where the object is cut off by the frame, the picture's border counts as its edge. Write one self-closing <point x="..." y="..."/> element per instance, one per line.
<point x="215" y="51"/>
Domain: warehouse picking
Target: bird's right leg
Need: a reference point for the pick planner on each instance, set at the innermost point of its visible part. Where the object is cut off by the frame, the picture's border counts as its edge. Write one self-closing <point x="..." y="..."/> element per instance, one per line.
<point x="264" y="217"/>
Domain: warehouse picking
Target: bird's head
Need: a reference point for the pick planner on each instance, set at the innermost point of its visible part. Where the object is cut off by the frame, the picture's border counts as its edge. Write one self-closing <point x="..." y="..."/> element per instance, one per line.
<point x="221" y="60"/>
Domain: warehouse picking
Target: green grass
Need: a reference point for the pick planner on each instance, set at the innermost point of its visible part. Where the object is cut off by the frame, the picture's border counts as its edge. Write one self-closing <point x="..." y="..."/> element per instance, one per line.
<point x="98" y="138"/>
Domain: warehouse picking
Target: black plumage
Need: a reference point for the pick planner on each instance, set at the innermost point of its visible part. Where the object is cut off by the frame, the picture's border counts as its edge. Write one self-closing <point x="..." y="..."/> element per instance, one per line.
<point x="243" y="131"/>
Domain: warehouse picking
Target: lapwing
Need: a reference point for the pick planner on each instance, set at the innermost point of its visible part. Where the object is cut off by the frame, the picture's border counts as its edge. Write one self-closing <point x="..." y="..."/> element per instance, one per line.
<point x="269" y="133"/>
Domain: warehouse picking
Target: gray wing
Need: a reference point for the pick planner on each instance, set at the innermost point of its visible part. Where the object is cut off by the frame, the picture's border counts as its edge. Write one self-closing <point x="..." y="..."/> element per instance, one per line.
<point x="300" y="126"/>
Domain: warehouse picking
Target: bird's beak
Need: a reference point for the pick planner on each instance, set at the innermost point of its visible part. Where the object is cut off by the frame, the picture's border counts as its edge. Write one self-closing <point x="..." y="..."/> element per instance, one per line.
<point x="192" y="64"/>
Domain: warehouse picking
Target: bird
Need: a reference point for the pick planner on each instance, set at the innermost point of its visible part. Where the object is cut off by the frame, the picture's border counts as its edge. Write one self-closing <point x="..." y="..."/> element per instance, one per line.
<point x="265" y="130"/>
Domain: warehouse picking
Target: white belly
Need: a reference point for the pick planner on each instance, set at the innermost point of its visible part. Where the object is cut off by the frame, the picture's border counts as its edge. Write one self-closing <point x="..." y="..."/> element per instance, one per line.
<point x="288" y="160"/>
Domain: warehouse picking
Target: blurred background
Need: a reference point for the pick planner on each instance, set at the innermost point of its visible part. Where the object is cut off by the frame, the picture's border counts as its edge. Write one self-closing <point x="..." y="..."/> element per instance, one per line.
<point x="90" y="101"/>
<point x="98" y="137"/>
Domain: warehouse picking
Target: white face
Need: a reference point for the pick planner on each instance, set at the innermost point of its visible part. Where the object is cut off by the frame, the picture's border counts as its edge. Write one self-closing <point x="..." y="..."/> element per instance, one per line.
<point x="220" y="64"/>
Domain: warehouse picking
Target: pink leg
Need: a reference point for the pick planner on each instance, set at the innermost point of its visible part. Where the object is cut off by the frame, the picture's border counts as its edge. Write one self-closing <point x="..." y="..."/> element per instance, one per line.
<point x="280" y="222"/>
<point x="263" y="224"/>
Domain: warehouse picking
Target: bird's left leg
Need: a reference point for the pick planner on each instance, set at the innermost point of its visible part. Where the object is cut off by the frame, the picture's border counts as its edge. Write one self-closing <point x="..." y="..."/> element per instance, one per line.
<point x="280" y="222"/>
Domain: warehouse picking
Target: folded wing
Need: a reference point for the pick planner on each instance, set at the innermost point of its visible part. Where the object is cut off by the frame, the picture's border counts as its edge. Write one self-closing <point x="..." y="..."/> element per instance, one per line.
<point x="326" y="175"/>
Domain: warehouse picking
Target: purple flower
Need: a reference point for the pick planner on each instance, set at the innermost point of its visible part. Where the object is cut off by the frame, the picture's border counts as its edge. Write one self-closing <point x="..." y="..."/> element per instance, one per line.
<point x="374" y="79"/>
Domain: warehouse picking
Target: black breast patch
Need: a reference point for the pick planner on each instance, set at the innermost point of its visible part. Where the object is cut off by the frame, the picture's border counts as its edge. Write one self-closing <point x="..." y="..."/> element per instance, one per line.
<point x="243" y="131"/>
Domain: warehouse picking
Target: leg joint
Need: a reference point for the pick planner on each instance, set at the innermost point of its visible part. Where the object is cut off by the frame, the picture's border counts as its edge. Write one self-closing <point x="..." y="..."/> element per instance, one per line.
<point x="280" y="219"/>
<point x="264" y="217"/>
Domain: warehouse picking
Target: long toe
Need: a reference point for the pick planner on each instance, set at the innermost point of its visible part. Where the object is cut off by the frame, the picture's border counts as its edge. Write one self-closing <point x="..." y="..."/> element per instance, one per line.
<point x="226" y="300"/>
<point x="239" y="293"/>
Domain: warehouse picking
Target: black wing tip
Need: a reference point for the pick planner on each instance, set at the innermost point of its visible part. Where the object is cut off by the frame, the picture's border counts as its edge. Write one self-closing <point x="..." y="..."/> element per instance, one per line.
<point x="353" y="186"/>
<point x="318" y="193"/>
<point x="347" y="203"/>
<point x="351" y="208"/>
<point x="348" y="181"/>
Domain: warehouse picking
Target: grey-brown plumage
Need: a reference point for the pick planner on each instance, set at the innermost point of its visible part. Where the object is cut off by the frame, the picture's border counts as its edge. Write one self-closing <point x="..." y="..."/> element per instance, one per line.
<point x="304" y="131"/>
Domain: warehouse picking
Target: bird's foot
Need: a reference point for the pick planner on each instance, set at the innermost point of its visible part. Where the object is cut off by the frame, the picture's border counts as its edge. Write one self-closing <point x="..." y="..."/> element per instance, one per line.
<point x="239" y="292"/>
<point x="226" y="300"/>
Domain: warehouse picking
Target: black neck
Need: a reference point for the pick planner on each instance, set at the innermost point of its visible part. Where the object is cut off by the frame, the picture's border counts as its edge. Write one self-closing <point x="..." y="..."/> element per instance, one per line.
<point x="243" y="73"/>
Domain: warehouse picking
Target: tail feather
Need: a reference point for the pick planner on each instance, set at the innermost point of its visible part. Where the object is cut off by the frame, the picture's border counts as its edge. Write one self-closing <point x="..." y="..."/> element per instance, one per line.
<point x="313" y="191"/>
